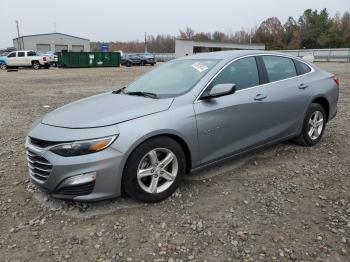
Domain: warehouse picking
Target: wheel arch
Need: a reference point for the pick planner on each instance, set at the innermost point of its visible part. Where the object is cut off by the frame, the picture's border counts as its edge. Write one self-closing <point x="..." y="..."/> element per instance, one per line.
<point x="323" y="101"/>
<point x="177" y="137"/>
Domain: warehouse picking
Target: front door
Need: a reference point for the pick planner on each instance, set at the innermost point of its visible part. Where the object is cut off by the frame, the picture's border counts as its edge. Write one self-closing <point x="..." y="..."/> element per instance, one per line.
<point x="11" y="59"/>
<point x="236" y="122"/>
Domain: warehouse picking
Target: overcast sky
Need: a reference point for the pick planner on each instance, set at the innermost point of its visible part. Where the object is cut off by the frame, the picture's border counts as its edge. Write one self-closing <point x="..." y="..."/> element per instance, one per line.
<point x="112" y="20"/>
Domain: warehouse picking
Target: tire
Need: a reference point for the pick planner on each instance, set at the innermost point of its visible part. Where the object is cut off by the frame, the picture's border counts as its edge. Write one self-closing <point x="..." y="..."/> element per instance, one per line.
<point x="36" y="65"/>
<point x="307" y="137"/>
<point x="148" y="157"/>
<point x="3" y="66"/>
<point x="128" y="64"/>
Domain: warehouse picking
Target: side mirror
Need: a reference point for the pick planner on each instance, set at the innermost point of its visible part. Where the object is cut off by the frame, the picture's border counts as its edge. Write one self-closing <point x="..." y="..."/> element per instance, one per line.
<point x="220" y="90"/>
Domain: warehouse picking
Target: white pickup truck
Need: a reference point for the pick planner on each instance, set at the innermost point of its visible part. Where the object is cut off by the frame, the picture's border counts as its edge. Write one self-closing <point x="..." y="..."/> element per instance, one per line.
<point x="27" y="59"/>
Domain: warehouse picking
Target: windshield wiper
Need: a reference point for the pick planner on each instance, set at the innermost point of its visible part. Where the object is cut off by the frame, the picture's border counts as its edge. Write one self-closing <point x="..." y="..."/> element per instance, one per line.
<point x="140" y="93"/>
<point x="119" y="91"/>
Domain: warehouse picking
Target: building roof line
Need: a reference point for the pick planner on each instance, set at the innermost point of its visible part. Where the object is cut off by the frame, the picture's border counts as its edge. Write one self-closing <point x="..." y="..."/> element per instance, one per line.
<point x="52" y="34"/>
<point x="215" y="41"/>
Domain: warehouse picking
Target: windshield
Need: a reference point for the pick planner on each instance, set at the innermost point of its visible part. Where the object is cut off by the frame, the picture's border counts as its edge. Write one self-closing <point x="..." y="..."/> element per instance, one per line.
<point x="173" y="78"/>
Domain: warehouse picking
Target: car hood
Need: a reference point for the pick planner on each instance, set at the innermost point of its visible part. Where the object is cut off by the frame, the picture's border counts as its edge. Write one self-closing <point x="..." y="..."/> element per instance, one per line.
<point x="104" y="110"/>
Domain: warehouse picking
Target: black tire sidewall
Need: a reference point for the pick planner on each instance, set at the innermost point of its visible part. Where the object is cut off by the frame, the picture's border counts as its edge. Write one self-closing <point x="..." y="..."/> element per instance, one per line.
<point x="38" y="65"/>
<point x="129" y="181"/>
<point x="312" y="108"/>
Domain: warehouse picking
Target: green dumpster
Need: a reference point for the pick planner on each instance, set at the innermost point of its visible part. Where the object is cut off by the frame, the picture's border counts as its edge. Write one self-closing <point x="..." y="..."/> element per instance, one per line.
<point x="89" y="59"/>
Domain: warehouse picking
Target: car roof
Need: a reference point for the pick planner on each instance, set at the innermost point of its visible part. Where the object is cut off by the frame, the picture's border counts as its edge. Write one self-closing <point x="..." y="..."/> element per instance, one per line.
<point x="229" y="55"/>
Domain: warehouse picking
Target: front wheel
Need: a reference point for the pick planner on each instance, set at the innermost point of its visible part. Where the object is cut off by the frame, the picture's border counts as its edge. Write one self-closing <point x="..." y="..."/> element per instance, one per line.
<point x="154" y="170"/>
<point x="313" y="126"/>
<point x="3" y="66"/>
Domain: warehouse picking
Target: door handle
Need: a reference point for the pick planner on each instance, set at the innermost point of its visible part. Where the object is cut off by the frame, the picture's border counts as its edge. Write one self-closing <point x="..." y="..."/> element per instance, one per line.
<point x="260" y="97"/>
<point x="303" y="86"/>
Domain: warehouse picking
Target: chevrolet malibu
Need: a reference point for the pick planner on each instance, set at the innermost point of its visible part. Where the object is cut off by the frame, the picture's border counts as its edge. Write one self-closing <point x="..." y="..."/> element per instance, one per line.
<point x="184" y="115"/>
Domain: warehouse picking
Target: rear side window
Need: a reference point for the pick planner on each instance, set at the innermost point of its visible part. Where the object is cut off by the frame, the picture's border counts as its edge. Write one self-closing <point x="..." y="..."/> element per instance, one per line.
<point x="243" y="73"/>
<point x="302" y="68"/>
<point x="279" y="67"/>
<point x="20" y="54"/>
<point x="31" y="53"/>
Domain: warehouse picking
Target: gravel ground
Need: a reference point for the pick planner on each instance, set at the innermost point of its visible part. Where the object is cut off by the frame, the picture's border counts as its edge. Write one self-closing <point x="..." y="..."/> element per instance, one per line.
<point x="282" y="203"/>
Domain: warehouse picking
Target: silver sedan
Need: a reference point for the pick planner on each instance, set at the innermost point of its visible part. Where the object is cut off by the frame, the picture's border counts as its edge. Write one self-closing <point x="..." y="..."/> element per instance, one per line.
<point x="184" y="115"/>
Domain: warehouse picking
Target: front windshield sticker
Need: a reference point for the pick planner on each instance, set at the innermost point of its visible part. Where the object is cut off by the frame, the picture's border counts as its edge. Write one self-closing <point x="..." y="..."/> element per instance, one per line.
<point x="200" y="67"/>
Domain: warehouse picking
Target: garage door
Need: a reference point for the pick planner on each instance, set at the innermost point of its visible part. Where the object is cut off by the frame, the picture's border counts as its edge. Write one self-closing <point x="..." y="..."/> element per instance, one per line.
<point x="78" y="48"/>
<point x="59" y="48"/>
<point x="43" y="48"/>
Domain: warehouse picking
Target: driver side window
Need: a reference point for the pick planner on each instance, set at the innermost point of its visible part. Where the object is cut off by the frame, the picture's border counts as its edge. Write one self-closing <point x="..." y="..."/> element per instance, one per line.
<point x="13" y="54"/>
<point x="243" y="73"/>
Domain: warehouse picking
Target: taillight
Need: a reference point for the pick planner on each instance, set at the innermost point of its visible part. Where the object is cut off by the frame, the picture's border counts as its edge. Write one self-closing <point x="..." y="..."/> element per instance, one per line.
<point x="44" y="58"/>
<point x="336" y="80"/>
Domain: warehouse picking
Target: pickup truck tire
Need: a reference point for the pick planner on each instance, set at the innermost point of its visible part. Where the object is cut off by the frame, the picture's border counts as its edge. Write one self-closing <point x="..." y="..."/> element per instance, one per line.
<point x="3" y="66"/>
<point x="36" y="65"/>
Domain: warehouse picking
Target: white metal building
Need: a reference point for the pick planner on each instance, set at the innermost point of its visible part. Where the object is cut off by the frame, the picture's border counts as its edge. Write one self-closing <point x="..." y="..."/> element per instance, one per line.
<point x="55" y="42"/>
<point x="185" y="47"/>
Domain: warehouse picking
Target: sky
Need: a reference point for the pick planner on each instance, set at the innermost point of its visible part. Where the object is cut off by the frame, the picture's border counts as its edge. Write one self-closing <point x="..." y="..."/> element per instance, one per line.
<point x="113" y="20"/>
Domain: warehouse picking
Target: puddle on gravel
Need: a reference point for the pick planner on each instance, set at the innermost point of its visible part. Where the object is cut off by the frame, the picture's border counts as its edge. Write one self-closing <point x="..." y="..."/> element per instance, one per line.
<point x="88" y="210"/>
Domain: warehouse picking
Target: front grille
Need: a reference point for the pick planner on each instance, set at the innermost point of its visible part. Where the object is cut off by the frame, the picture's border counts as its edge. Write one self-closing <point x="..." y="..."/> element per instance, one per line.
<point x="78" y="190"/>
<point x="42" y="143"/>
<point x="39" y="167"/>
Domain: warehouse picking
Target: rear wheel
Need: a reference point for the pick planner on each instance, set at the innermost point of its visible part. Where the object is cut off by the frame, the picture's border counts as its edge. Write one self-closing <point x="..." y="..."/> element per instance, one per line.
<point x="154" y="170"/>
<point x="314" y="125"/>
<point x="36" y="65"/>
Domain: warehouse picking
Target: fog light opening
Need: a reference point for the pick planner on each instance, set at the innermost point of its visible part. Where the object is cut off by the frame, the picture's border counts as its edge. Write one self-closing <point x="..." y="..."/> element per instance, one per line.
<point x="81" y="179"/>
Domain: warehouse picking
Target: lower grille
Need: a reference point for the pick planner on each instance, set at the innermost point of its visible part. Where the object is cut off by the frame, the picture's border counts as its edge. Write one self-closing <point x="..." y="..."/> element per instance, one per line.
<point x="39" y="167"/>
<point x="78" y="190"/>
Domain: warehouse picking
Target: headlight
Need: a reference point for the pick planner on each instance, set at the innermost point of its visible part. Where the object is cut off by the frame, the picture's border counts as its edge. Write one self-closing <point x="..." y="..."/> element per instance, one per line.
<point x="85" y="147"/>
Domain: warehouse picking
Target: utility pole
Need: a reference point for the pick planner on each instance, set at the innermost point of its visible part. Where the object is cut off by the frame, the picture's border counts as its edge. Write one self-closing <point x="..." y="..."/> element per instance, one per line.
<point x="55" y="27"/>
<point x="145" y="42"/>
<point x="18" y="39"/>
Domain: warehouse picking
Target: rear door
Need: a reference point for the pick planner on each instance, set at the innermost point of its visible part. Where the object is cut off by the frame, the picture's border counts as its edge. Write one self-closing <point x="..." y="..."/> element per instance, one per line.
<point x="232" y="123"/>
<point x="286" y="93"/>
<point x="21" y="59"/>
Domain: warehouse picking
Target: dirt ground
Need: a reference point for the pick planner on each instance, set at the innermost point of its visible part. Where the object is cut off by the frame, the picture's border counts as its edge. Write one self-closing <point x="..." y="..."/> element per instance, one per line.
<point x="282" y="203"/>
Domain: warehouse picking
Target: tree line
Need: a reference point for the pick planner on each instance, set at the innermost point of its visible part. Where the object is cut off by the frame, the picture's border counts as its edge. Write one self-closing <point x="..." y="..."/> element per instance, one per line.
<point x="313" y="29"/>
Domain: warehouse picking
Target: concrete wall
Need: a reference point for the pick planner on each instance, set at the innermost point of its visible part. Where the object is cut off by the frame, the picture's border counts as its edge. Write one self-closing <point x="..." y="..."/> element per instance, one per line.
<point x="31" y="42"/>
<point x="183" y="47"/>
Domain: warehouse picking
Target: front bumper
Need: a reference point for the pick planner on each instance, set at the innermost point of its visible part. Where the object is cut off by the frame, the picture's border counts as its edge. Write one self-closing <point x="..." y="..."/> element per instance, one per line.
<point x="54" y="174"/>
<point x="81" y="178"/>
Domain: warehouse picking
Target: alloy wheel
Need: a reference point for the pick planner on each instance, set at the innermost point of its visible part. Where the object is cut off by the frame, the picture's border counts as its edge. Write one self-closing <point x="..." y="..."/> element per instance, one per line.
<point x="315" y="125"/>
<point x="157" y="170"/>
